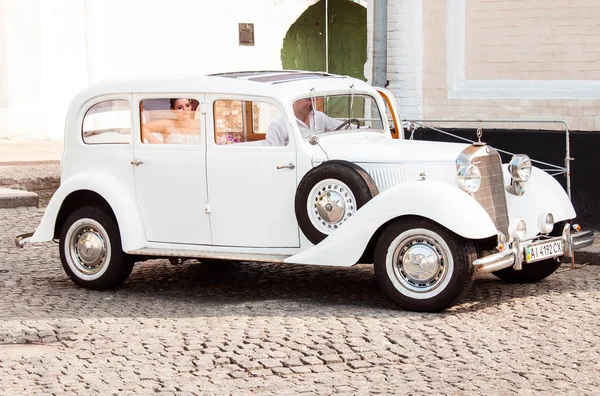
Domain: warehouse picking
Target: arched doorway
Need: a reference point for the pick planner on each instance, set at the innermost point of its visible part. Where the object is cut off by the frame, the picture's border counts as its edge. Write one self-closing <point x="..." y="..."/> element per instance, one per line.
<point x="304" y="43"/>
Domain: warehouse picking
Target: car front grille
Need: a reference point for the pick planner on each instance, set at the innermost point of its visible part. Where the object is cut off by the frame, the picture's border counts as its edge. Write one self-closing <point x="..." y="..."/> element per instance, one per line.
<point x="491" y="192"/>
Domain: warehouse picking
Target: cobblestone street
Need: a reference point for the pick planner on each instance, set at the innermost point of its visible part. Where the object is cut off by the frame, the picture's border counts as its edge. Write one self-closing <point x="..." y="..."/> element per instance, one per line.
<point x="240" y="328"/>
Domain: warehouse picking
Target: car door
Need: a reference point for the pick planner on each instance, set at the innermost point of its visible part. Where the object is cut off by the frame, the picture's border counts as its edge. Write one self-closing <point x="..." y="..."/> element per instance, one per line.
<point x="251" y="185"/>
<point x="170" y="177"/>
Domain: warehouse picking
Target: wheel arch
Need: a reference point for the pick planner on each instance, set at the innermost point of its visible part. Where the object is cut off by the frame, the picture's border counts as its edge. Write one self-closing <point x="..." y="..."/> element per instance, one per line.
<point x="369" y="253"/>
<point x="94" y="189"/>
<point x="78" y="199"/>
<point x="432" y="200"/>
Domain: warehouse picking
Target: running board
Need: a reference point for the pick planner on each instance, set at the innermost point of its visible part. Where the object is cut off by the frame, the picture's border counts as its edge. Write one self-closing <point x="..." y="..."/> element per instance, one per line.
<point x="185" y="253"/>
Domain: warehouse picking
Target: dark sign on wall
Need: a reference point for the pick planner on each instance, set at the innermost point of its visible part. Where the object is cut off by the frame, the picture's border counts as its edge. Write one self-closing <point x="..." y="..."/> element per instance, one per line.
<point x="246" y="34"/>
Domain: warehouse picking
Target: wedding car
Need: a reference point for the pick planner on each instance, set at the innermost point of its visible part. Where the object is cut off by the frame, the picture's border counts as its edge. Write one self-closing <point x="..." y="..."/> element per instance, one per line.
<point x="293" y="167"/>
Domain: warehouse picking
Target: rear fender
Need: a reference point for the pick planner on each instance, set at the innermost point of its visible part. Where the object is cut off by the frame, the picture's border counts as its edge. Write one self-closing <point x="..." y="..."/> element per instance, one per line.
<point x="120" y="199"/>
<point x="446" y="205"/>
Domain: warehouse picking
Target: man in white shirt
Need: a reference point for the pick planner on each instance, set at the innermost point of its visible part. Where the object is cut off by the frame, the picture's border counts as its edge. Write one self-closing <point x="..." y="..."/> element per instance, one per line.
<point x="309" y="122"/>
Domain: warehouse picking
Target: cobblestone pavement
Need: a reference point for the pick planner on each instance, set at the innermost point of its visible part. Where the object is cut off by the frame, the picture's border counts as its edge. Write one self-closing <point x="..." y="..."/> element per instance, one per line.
<point x="275" y="329"/>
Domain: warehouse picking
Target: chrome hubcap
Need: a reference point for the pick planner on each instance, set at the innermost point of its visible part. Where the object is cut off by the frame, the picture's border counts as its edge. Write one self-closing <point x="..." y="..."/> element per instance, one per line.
<point x="420" y="264"/>
<point x="88" y="249"/>
<point x="330" y="204"/>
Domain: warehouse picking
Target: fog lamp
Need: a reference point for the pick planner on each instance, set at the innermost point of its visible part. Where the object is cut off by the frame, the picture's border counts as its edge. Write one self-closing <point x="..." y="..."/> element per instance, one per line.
<point x="518" y="228"/>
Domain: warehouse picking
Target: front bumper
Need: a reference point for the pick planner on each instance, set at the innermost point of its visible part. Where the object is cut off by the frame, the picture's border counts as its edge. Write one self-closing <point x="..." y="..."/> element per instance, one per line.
<point x="515" y="255"/>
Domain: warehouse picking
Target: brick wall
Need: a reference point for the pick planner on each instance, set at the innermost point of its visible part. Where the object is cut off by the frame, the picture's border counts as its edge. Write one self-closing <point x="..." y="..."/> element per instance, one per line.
<point x="533" y="40"/>
<point x="405" y="54"/>
<point x="500" y="39"/>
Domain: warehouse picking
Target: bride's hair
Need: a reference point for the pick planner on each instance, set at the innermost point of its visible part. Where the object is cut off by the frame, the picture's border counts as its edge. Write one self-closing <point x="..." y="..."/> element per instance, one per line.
<point x="173" y="101"/>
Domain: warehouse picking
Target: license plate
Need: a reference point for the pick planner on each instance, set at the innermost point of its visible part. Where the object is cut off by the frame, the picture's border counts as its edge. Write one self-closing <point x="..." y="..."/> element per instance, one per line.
<point x="541" y="251"/>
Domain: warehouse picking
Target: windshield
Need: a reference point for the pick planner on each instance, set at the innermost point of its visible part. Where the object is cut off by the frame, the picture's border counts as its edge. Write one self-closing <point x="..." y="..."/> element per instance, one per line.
<point x="340" y="112"/>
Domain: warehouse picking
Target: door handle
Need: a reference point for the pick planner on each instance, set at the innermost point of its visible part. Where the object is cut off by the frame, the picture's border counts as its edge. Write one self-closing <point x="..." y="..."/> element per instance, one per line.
<point x="136" y="162"/>
<point x="289" y="166"/>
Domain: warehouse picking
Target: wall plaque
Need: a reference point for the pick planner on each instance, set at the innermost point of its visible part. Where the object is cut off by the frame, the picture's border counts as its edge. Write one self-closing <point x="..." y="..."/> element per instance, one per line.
<point x="246" y="34"/>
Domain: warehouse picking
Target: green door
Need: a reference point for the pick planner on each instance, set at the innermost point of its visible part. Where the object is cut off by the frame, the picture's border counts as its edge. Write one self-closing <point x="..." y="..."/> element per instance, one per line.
<point x="304" y="43"/>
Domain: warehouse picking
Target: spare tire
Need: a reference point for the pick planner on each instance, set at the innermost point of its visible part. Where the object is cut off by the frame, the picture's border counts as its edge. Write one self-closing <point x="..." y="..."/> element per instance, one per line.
<point x="330" y="194"/>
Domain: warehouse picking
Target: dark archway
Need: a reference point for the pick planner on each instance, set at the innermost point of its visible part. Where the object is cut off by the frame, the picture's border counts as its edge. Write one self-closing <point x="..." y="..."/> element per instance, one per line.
<point x="304" y="43"/>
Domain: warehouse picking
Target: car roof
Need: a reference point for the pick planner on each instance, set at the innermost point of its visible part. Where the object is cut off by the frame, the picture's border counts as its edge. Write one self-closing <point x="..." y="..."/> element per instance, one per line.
<point x="277" y="76"/>
<point x="284" y="85"/>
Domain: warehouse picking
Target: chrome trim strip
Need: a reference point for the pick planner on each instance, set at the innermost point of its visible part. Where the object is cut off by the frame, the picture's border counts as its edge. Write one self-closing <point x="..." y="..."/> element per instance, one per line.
<point x="265" y="258"/>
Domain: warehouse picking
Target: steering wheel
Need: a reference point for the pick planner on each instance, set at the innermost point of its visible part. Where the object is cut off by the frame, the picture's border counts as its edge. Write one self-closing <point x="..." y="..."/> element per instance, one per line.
<point x="347" y="124"/>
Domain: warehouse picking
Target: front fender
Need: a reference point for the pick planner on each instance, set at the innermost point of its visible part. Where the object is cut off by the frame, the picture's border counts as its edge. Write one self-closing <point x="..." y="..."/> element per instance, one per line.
<point x="543" y="194"/>
<point x="120" y="199"/>
<point x="440" y="202"/>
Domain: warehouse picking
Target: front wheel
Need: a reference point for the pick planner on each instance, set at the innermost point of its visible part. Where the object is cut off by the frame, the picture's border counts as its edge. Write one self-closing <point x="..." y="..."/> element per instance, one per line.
<point x="90" y="250"/>
<point x="423" y="266"/>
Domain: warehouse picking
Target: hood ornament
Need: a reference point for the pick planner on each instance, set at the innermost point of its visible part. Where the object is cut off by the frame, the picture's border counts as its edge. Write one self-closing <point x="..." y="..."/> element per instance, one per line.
<point x="479" y="135"/>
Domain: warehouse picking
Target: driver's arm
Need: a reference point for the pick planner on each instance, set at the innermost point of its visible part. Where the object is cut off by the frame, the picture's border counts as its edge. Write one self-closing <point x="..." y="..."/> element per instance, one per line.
<point x="329" y="123"/>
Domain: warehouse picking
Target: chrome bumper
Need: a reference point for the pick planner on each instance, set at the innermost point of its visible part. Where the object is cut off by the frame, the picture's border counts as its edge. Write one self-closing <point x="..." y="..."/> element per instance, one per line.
<point x="21" y="240"/>
<point x="515" y="255"/>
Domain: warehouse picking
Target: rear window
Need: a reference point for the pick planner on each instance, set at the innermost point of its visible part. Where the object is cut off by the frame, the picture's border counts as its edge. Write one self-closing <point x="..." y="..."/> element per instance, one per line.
<point x="107" y="122"/>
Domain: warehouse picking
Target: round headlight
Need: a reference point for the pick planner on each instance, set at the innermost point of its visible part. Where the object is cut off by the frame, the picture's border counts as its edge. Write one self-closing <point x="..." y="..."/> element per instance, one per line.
<point x="546" y="223"/>
<point x="469" y="178"/>
<point x="518" y="228"/>
<point x="520" y="167"/>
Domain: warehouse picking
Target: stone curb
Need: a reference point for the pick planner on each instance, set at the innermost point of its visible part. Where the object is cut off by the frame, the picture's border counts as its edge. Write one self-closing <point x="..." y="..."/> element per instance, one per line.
<point x="15" y="198"/>
<point x="41" y="178"/>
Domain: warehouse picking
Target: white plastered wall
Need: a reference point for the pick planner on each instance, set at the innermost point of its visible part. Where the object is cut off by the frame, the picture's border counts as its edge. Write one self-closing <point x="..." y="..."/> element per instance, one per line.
<point x="3" y="75"/>
<point x="53" y="49"/>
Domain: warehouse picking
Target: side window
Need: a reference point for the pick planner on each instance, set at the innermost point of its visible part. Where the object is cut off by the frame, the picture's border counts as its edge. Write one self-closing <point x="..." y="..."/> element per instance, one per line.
<point x="243" y="121"/>
<point x="107" y="122"/>
<point x="170" y="121"/>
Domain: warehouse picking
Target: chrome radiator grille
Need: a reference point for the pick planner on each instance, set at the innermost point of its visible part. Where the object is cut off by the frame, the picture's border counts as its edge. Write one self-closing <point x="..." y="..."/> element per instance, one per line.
<point x="491" y="192"/>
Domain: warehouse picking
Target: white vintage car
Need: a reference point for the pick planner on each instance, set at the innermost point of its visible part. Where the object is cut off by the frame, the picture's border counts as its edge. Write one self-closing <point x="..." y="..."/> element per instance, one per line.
<point x="299" y="168"/>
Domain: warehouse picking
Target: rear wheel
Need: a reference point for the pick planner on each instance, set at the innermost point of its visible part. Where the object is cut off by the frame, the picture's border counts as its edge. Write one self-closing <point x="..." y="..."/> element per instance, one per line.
<point x="91" y="252"/>
<point x="422" y="266"/>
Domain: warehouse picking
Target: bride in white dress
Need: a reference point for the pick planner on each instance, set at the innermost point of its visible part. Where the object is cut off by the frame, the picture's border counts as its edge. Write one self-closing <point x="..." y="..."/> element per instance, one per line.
<point x="184" y="129"/>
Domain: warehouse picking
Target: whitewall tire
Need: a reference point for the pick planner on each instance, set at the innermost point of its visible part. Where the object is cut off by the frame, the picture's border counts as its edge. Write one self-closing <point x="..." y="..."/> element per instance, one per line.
<point x="90" y="250"/>
<point x="423" y="266"/>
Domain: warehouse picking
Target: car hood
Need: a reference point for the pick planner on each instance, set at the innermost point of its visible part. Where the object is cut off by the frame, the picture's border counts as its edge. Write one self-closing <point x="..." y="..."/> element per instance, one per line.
<point x="382" y="150"/>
